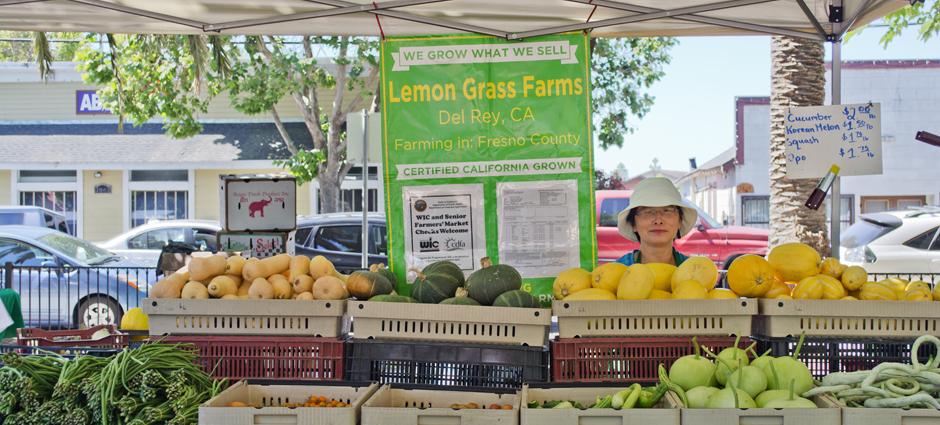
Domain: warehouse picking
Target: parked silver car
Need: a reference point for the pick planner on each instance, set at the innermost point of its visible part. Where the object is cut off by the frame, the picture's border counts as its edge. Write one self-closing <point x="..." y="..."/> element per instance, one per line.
<point x="143" y="243"/>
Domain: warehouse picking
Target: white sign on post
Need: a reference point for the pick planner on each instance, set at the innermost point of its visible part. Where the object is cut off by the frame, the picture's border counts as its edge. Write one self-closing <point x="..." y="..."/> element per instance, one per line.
<point x="845" y="135"/>
<point x="258" y="203"/>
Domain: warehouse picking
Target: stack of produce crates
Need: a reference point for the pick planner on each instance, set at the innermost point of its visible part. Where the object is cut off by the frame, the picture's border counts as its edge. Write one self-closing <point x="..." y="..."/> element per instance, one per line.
<point x="847" y="336"/>
<point x="447" y="346"/>
<point x="101" y="340"/>
<point x="256" y="339"/>
<point x="625" y="341"/>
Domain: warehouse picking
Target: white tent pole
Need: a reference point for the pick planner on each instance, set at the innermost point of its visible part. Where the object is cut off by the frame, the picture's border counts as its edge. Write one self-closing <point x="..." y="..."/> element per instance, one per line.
<point x="812" y="18"/>
<point x="835" y="201"/>
<point x="365" y="190"/>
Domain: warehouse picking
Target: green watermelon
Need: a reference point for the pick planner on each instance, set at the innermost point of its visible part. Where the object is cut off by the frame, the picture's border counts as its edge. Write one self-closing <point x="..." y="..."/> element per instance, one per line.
<point x="488" y="283"/>
<point x="445" y="267"/>
<point x="434" y="288"/>
<point x="460" y="301"/>
<point x="517" y="298"/>
<point x="393" y="298"/>
<point x="382" y="270"/>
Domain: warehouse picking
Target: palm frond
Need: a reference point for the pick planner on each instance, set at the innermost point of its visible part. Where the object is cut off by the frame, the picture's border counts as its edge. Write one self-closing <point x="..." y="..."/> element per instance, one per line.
<point x="43" y="55"/>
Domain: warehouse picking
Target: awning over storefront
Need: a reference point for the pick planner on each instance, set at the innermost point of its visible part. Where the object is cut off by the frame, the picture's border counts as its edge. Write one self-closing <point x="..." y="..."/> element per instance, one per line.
<point x="514" y="19"/>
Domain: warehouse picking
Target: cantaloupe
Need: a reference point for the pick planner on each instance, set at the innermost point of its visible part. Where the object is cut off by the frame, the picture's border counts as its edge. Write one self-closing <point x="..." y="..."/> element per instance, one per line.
<point x="636" y="283"/>
<point x="261" y="289"/>
<point x="662" y="275"/>
<point x="571" y="281"/>
<point x="699" y="269"/>
<point x="364" y="285"/>
<point x="591" y="294"/>
<point x="607" y="276"/>
<point x="221" y="286"/>
<point x="205" y="268"/>
<point x="234" y="264"/>
<point x="489" y="282"/>
<point x="194" y="290"/>
<point x="517" y="298"/>
<point x="282" y="288"/>
<point x="794" y="262"/>
<point x="329" y="288"/>
<point x="299" y="265"/>
<point x="303" y="283"/>
<point x="267" y="267"/>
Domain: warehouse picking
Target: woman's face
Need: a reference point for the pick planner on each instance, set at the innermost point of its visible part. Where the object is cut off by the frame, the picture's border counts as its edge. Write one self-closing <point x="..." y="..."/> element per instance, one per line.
<point x="657" y="225"/>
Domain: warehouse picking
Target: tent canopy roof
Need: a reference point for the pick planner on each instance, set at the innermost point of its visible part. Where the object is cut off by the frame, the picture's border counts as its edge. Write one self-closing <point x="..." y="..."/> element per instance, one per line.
<point x="512" y="19"/>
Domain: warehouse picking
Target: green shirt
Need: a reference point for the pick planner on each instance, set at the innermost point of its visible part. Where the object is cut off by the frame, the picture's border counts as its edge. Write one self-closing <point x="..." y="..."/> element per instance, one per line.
<point x="632" y="258"/>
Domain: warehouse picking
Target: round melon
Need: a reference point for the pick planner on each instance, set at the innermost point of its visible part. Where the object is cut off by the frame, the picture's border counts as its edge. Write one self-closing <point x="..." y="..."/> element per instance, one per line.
<point x="699" y="269"/>
<point x="460" y="301"/>
<point x="593" y="294"/>
<point x="570" y="281"/>
<point x="386" y="273"/>
<point x="434" y="288"/>
<point x="393" y="298"/>
<point x="662" y="275"/>
<point x="751" y="276"/>
<point x="794" y="262"/>
<point x="445" y="267"/>
<point x="364" y="285"/>
<point x="607" y="276"/>
<point x="517" y="298"/>
<point x="491" y="281"/>
<point x="636" y="283"/>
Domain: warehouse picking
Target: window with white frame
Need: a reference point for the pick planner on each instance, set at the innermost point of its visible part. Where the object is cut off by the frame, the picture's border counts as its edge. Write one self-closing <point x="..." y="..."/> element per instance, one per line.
<point x="157" y="195"/>
<point x="56" y="190"/>
<point x="350" y="200"/>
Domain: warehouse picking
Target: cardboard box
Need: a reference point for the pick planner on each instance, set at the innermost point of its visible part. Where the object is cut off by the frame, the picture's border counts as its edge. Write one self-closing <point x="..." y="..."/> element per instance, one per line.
<point x="847" y="318"/>
<point x="665" y="413"/>
<point x="267" y="397"/>
<point x="396" y="406"/>
<point x="258" y="202"/>
<point x="654" y="317"/>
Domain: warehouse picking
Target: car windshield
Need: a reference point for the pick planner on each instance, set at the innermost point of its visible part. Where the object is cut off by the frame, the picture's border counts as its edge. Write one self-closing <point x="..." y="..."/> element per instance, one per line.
<point x="862" y="233"/>
<point x="76" y="248"/>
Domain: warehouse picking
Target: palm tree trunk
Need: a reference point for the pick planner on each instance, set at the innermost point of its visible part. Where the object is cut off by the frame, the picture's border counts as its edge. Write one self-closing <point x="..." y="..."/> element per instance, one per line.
<point x="798" y="79"/>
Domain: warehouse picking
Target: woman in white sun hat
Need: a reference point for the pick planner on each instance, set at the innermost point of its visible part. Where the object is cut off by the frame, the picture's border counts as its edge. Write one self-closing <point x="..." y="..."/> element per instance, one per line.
<point x="656" y="217"/>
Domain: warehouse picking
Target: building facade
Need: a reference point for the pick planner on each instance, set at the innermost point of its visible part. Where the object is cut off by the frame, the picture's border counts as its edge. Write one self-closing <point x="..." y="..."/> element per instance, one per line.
<point x="735" y="185"/>
<point x="60" y="150"/>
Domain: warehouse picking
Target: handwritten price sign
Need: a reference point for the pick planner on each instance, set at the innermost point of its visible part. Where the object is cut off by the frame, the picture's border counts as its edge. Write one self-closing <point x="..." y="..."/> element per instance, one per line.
<point x="846" y="135"/>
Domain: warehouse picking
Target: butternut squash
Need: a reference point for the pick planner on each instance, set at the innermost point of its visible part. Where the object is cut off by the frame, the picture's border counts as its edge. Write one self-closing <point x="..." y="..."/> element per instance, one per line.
<point x="306" y="296"/>
<point x="202" y="268"/>
<point x="267" y="267"/>
<point x="234" y="264"/>
<point x="303" y="283"/>
<point x="329" y="288"/>
<point x="299" y="265"/>
<point x="243" y="289"/>
<point x="282" y="288"/>
<point x="251" y="260"/>
<point x="194" y="290"/>
<point x="230" y="297"/>
<point x="236" y="277"/>
<point x="261" y="289"/>
<point x="320" y="266"/>
<point x="170" y="286"/>
<point x="221" y="286"/>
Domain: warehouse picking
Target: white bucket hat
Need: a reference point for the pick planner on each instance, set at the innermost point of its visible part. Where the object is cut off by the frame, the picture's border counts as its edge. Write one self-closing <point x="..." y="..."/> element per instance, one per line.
<point x="656" y="192"/>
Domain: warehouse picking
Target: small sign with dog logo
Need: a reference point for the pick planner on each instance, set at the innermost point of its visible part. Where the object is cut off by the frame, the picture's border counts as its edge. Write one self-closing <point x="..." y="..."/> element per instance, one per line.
<point x="258" y="202"/>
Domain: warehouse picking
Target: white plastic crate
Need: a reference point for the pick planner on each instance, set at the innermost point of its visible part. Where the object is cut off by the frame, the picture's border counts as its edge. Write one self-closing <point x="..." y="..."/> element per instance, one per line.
<point x="826" y="413"/>
<point x="266" y="398"/>
<point x="654" y="317"/>
<point x="456" y="323"/>
<point x="664" y="413"/>
<point x="396" y="406"/>
<point x="245" y="317"/>
<point x="847" y="318"/>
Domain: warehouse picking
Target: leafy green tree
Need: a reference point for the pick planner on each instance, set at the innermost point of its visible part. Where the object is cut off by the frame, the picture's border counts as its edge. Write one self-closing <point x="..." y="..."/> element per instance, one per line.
<point x="174" y="77"/>
<point x="39" y="47"/>
<point x="922" y="16"/>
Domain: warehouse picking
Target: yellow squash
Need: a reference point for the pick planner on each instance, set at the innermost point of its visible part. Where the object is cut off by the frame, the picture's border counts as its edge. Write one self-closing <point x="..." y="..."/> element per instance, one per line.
<point x="591" y="294"/>
<point x="571" y="281"/>
<point x="690" y="290"/>
<point x="636" y="283"/>
<point x="794" y="262"/>
<point x="607" y="276"/>
<point x="662" y="275"/>
<point x="750" y="276"/>
<point x="135" y="320"/>
<point x="699" y="269"/>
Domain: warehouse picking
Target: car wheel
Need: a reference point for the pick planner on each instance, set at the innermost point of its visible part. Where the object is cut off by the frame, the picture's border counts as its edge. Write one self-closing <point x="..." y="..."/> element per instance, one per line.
<point x="95" y="311"/>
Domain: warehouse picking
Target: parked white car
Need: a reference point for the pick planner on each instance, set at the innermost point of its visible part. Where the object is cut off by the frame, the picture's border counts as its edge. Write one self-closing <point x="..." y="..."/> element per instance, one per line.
<point x="894" y="242"/>
<point x="143" y="243"/>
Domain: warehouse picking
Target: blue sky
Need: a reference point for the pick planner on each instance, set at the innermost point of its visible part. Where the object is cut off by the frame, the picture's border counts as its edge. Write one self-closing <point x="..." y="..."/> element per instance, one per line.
<point x="694" y="111"/>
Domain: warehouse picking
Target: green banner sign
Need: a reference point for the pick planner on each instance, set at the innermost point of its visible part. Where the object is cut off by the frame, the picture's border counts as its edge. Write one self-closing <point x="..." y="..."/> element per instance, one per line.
<point x="488" y="153"/>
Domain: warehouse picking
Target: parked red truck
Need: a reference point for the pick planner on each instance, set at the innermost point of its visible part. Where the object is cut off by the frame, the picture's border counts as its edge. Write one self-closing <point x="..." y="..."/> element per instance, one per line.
<point x="722" y="244"/>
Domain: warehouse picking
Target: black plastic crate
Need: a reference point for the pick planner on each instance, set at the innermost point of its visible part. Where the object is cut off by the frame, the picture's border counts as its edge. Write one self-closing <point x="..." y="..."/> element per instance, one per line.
<point x="442" y="364"/>
<point x="827" y="355"/>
